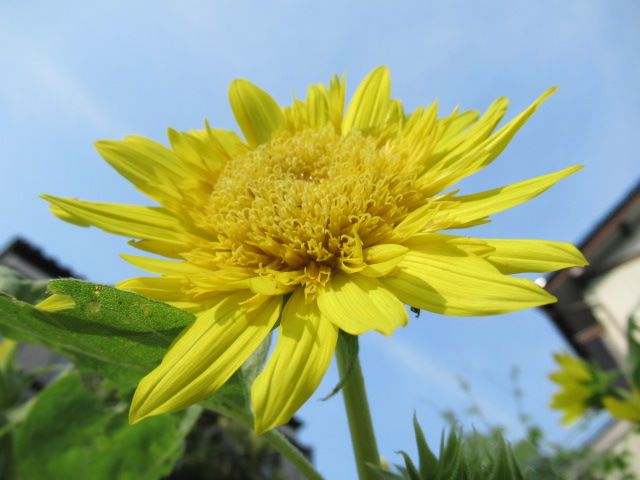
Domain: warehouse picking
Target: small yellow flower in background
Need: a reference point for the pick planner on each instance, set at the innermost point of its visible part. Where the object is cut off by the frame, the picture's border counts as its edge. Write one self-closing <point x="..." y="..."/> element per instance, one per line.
<point x="319" y="220"/>
<point x="575" y="379"/>
<point x="627" y="408"/>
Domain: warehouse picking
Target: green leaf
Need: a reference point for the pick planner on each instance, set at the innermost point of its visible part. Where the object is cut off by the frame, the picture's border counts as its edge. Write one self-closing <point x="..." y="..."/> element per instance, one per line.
<point x="350" y="343"/>
<point x="462" y="457"/>
<point x="383" y="474"/>
<point x="501" y="469"/>
<point x="118" y="334"/>
<point x="70" y="433"/>
<point x="427" y="460"/>
<point x="411" y="469"/>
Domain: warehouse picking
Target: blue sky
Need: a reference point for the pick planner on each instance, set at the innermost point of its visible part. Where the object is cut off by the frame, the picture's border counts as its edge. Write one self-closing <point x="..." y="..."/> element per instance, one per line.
<point x="75" y="72"/>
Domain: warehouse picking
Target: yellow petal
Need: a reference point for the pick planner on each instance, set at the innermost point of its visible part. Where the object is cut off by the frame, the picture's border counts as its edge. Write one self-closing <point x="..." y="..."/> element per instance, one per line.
<point x="205" y="355"/>
<point x="166" y="249"/>
<point x="453" y="128"/>
<point x="164" y="289"/>
<point x="496" y="144"/>
<point x="335" y="96"/>
<point x="444" y="279"/>
<point x="317" y="106"/>
<point x="300" y="359"/>
<point x="358" y="304"/>
<point x="151" y="167"/>
<point x="269" y="286"/>
<point x="517" y="256"/>
<point x="161" y="266"/>
<point x="152" y="223"/>
<point x="426" y="215"/>
<point x="225" y="279"/>
<point x="208" y="149"/>
<point x="201" y="156"/>
<point x="257" y="114"/>
<point x="480" y="205"/>
<point x="370" y="104"/>
<point x="479" y="131"/>
<point x="56" y="303"/>
<point x="472" y="149"/>
<point x="382" y="259"/>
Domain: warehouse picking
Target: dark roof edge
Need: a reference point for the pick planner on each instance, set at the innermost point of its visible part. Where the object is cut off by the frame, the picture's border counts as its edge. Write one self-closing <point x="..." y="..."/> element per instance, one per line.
<point x="599" y="232"/>
<point x="35" y="255"/>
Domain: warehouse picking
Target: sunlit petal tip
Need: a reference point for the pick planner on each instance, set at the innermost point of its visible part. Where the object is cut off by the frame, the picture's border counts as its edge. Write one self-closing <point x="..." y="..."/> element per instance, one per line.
<point x="546" y="298"/>
<point x="370" y="103"/>
<point x="56" y="303"/>
<point x="47" y="197"/>
<point x="101" y="145"/>
<point x="138" y="410"/>
<point x="146" y="402"/>
<point x="256" y="112"/>
<point x="382" y="70"/>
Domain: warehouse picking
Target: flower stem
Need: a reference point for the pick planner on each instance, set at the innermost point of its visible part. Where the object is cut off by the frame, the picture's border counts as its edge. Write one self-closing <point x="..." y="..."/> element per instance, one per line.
<point x="278" y="441"/>
<point x="365" y="448"/>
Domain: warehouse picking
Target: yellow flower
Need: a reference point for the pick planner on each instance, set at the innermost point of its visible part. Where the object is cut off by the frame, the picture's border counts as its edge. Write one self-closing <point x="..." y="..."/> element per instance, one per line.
<point x="576" y="393"/>
<point x="626" y="409"/>
<point x="320" y="220"/>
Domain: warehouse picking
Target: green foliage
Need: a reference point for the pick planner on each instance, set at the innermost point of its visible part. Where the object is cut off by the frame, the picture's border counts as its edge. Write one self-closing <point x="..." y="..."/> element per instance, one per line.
<point x="459" y="458"/>
<point x="12" y="385"/>
<point x="71" y="432"/>
<point x="220" y="449"/>
<point x="118" y="334"/>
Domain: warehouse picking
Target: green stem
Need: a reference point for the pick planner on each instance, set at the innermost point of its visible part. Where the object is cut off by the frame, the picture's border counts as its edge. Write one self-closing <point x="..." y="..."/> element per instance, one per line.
<point x="278" y="441"/>
<point x="365" y="448"/>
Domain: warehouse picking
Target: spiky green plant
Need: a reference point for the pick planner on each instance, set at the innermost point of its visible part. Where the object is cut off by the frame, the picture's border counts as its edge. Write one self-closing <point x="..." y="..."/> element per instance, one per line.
<point x="458" y="458"/>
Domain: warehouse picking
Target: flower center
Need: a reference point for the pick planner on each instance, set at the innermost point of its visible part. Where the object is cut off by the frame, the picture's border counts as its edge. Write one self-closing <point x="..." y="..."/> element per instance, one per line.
<point x="310" y="201"/>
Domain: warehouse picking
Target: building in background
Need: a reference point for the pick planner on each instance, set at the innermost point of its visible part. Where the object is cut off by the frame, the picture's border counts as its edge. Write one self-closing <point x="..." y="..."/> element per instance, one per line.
<point x="595" y="303"/>
<point x="32" y="263"/>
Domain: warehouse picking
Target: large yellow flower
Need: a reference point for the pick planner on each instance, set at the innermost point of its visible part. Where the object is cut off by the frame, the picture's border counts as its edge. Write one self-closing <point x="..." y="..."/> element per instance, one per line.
<point x="318" y="221"/>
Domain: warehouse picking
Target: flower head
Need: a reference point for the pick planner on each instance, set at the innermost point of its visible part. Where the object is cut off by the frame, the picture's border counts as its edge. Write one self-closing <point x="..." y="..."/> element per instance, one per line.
<point x="582" y="387"/>
<point x="319" y="220"/>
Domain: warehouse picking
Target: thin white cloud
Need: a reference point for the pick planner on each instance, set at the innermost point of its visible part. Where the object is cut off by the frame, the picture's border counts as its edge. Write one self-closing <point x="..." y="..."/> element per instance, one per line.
<point x="38" y="85"/>
<point x="428" y="373"/>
